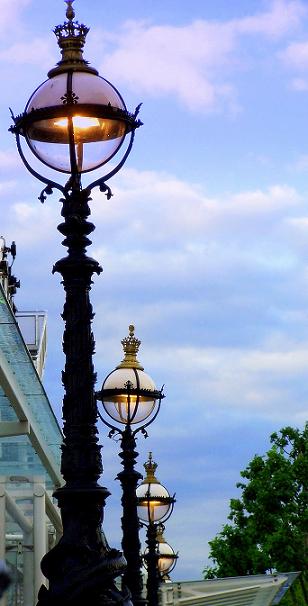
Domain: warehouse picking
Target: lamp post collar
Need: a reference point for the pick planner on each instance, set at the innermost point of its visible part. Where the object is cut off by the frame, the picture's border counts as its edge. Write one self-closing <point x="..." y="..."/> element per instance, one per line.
<point x="71" y="36"/>
<point x="130" y="347"/>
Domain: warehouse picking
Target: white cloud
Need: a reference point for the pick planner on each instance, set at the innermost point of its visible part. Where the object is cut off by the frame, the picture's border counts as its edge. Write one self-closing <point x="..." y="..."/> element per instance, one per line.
<point x="38" y="51"/>
<point x="179" y="207"/>
<point x="255" y="381"/>
<point x="296" y="56"/>
<point x="9" y="160"/>
<point x="159" y="60"/>
<point x="7" y="186"/>
<point x="194" y="62"/>
<point x="299" y="84"/>
<point x="295" y="59"/>
<point x="301" y="163"/>
<point x="199" y="262"/>
<point x="10" y="12"/>
<point x="282" y="17"/>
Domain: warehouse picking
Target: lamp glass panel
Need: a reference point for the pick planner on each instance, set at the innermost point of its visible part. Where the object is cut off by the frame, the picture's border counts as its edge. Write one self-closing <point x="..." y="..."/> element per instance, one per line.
<point x="96" y="139"/>
<point x="88" y="157"/>
<point x="166" y="557"/>
<point x="151" y="506"/>
<point x="123" y="409"/>
<point x="133" y="409"/>
<point x="90" y="88"/>
<point x="86" y="88"/>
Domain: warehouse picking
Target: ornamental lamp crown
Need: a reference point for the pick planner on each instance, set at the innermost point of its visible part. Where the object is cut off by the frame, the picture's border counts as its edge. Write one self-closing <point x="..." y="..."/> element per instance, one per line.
<point x="150" y="467"/>
<point x="130" y="347"/>
<point x="71" y="36"/>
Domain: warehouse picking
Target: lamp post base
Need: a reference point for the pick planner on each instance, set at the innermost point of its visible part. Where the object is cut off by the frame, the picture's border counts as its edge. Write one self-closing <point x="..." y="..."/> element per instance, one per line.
<point x="81" y="568"/>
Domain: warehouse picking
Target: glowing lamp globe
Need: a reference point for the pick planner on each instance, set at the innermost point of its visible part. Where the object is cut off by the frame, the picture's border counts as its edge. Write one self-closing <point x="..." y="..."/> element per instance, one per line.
<point x="75" y="117"/>
<point x="153" y="499"/>
<point x="128" y="394"/>
<point x="76" y="121"/>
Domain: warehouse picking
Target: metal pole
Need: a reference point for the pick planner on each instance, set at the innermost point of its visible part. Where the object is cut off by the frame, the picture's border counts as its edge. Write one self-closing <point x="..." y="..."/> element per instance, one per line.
<point x="81" y="568"/>
<point x="129" y="478"/>
<point x="151" y="558"/>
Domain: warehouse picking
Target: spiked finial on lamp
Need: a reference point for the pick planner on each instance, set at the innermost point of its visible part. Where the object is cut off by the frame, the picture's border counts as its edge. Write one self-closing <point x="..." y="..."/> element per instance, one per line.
<point x="70" y="13"/>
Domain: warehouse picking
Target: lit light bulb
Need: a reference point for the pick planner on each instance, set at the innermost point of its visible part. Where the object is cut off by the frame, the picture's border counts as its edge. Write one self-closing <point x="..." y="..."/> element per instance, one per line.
<point x="126" y="408"/>
<point x="78" y="122"/>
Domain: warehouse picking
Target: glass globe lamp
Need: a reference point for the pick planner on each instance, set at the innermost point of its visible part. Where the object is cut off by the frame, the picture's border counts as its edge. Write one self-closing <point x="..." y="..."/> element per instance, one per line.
<point x="166" y="556"/>
<point x="128" y="394"/>
<point x="75" y="121"/>
<point x="154" y="502"/>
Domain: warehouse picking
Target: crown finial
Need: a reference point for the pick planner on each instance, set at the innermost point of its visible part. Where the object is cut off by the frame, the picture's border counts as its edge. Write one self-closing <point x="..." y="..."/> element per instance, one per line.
<point x="71" y="37"/>
<point x="130" y="347"/>
<point x="150" y="467"/>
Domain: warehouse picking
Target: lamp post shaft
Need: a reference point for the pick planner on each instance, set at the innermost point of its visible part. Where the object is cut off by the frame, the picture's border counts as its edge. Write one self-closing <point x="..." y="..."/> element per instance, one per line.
<point x="81" y="459"/>
<point x="80" y="567"/>
<point x="129" y="479"/>
<point x="151" y="557"/>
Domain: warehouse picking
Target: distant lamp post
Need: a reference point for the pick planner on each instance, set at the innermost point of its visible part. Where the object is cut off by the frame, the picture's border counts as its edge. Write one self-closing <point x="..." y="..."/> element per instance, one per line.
<point x="73" y="123"/>
<point x="130" y="399"/>
<point x="155" y="506"/>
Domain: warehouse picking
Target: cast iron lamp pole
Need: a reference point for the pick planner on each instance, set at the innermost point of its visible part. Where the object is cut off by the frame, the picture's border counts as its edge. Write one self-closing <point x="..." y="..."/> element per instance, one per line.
<point x="155" y="506"/>
<point x="130" y="398"/>
<point x="76" y="122"/>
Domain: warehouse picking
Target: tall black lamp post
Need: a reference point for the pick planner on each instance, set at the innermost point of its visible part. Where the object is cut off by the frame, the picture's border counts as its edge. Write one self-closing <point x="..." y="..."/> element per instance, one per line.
<point x="130" y="398"/>
<point x="155" y="506"/>
<point x="76" y="122"/>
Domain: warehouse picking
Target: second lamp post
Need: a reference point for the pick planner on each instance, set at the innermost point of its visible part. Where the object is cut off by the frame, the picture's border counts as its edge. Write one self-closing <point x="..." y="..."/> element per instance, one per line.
<point x="130" y="399"/>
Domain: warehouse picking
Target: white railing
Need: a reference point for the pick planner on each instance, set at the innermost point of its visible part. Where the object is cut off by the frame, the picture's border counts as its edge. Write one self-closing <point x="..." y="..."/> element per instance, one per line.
<point x="33" y="326"/>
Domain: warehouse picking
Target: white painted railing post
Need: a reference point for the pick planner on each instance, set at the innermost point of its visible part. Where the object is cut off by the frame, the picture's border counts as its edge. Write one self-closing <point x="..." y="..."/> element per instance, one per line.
<point x="39" y="534"/>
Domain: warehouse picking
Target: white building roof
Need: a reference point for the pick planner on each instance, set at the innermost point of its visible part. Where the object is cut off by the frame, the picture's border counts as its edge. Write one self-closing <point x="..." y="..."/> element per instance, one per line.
<point x="256" y="590"/>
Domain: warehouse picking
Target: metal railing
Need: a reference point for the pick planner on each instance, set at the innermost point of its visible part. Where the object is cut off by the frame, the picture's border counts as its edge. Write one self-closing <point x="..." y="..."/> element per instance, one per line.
<point x="33" y="326"/>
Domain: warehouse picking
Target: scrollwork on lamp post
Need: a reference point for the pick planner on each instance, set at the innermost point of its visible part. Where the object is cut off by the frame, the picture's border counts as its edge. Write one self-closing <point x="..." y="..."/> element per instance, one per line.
<point x="130" y="398"/>
<point x="76" y="122"/>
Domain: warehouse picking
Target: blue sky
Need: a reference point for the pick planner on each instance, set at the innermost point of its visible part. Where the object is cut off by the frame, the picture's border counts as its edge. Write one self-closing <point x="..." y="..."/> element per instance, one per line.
<point x="204" y="244"/>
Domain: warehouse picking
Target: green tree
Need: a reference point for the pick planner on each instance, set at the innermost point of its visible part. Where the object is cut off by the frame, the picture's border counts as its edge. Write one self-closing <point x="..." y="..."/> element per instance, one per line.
<point x="269" y="528"/>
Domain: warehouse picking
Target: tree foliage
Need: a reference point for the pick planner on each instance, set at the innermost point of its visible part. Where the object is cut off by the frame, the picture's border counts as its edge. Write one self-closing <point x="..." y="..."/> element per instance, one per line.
<point x="269" y="522"/>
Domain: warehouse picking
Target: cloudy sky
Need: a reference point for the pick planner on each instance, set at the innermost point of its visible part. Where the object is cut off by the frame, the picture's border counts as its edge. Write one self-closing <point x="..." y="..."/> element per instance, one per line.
<point x="205" y="242"/>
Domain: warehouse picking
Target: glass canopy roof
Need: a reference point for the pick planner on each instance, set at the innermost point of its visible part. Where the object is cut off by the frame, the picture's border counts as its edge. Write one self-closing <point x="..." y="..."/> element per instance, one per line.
<point x="22" y="397"/>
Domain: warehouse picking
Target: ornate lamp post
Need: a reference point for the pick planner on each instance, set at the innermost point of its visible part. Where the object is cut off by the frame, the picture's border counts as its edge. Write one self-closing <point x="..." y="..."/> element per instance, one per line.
<point x="130" y="399"/>
<point x="73" y="123"/>
<point x="155" y="506"/>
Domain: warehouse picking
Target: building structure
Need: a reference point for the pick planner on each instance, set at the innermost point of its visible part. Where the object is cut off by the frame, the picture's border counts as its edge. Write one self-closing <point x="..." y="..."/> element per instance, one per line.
<point x="30" y="440"/>
<point x="255" y="590"/>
